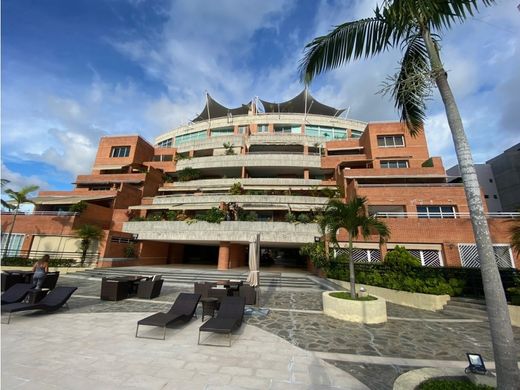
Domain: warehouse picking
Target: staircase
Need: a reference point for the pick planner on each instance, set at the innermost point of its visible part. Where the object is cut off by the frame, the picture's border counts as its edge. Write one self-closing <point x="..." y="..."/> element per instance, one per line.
<point x="466" y="308"/>
<point x="190" y="276"/>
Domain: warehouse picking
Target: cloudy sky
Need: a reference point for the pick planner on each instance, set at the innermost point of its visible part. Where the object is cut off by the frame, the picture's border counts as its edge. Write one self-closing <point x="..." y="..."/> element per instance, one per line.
<point x="73" y="71"/>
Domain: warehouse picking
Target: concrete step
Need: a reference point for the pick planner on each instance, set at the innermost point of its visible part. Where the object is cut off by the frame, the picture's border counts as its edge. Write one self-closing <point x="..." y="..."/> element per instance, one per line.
<point x="468" y="300"/>
<point x="189" y="277"/>
<point x="466" y="313"/>
<point x="457" y="304"/>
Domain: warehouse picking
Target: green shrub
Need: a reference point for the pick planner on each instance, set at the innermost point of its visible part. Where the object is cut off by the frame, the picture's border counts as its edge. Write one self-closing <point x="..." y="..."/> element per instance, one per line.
<point x="451" y="384"/>
<point x="401" y="259"/>
<point x="315" y="251"/>
<point x="236" y="189"/>
<point x="304" y="218"/>
<point x="290" y="217"/>
<point x="346" y="295"/>
<point x="24" y="262"/>
<point x="188" y="174"/>
<point x="130" y="250"/>
<point x="154" y="217"/>
<point x="215" y="215"/>
<point x="137" y="219"/>
<point x="171" y="215"/>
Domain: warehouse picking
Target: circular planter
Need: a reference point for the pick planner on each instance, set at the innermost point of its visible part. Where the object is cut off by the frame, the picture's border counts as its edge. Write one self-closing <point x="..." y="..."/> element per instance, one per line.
<point x="366" y="312"/>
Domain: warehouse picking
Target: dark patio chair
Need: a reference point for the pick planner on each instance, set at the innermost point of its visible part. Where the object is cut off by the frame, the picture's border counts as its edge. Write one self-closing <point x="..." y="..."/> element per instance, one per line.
<point x="202" y="288"/>
<point x="114" y="290"/>
<point x="50" y="280"/>
<point x="182" y="310"/>
<point x="54" y="300"/>
<point x="249" y="293"/>
<point x="16" y="293"/>
<point x="10" y="279"/>
<point x="228" y="319"/>
<point x="149" y="289"/>
<point x="219" y="293"/>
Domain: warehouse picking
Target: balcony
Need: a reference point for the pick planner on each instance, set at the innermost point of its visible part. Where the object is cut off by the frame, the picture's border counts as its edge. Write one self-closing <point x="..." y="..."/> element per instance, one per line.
<point x="214" y="142"/>
<point x="252" y="160"/>
<point x="232" y="231"/>
<point x="111" y="178"/>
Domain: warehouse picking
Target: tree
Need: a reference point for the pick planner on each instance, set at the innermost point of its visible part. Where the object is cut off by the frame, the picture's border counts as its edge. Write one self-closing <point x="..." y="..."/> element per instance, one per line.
<point x="87" y="234"/>
<point x="413" y="25"/>
<point x="515" y="236"/>
<point x="351" y="217"/>
<point x="17" y="198"/>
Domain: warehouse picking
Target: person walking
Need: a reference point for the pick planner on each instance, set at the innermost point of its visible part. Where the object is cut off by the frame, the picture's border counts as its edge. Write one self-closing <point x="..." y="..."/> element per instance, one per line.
<point x="40" y="269"/>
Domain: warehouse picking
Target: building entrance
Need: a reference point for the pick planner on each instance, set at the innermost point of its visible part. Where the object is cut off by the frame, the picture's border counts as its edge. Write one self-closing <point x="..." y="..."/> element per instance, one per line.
<point x="281" y="257"/>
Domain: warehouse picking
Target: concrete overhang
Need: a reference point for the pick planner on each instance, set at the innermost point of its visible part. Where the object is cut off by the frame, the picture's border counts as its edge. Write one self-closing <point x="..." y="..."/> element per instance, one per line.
<point x="68" y="199"/>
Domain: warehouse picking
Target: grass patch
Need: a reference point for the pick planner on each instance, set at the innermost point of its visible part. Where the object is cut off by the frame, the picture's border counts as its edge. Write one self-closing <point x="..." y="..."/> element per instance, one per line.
<point x="451" y="384"/>
<point x="346" y="295"/>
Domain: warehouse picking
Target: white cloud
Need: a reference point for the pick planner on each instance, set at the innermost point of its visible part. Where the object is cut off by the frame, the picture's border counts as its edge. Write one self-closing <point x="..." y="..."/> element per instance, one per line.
<point x="18" y="181"/>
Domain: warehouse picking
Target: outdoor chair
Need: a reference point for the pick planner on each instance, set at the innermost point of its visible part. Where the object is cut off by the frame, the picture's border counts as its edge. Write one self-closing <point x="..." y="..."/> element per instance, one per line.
<point x="50" y="280"/>
<point x="182" y="310"/>
<point x="149" y="289"/>
<point x="54" y="300"/>
<point x="16" y="293"/>
<point x="228" y="319"/>
<point x="10" y="279"/>
<point x="249" y="293"/>
<point x="203" y="288"/>
<point x="219" y="293"/>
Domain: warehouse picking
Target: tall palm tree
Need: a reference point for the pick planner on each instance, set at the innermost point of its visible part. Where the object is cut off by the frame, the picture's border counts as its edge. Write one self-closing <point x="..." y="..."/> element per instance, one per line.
<point x="413" y="25"/>
<point x="351" y="217"/>
<point x="515" y="235"/>
<point x="16" y="199"/>
<point x="87" y="234"/>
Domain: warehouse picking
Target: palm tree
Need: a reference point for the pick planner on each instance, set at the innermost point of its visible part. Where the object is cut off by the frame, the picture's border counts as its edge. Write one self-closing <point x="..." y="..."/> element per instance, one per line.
<point x="413" y="25"/>
<point x="16" y="199"/>
<point x="351" y="217"/>
<point x="515" y="236"/>
<point x="87" y="234"/>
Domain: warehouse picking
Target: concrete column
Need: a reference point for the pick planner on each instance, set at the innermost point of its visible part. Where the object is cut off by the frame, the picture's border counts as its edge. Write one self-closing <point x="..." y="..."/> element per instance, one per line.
<point x="237" y="255"/>
<point x="305" y="150"/>
<point x="306" y="174"/>
<point x="191" y="153"/>
<point x="223" y="255"/>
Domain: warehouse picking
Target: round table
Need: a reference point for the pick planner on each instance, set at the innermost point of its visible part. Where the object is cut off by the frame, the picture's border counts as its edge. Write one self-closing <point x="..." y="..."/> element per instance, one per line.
<point x="209" y="305"/>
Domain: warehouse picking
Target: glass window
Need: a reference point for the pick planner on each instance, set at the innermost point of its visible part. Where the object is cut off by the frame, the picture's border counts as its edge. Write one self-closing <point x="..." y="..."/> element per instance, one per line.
<point x="390" y="141"/>
<point x="436" y="211"/>
<point x="120" y="151"/>
<point x="15" y="243"/>
<point x="263" y="128"/>
<point x="291" y="129"/>
<point x="356" y="134"/>
<point x="394" y="164"/>
<point x="190" y="137"/>
<point x="325" y="131"/>
<point x="222" y="131"/>
<point x="167" y="143"/>
<point x="243" y="129"/>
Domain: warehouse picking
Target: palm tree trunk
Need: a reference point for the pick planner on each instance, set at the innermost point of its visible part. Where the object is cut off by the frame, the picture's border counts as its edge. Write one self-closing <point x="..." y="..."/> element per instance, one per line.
<point x="10" y="233"/>
<point x="351" y="267"/>
<point x="498" y="312"/>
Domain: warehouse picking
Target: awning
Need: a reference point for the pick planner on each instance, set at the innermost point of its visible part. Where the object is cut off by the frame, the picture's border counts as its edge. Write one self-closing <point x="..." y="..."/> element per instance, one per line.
<point x="68" y="199"/>
<point x="346" y="148"/>
<point x="303" y="103"/>
<point x="214" y="109"/>
<point x="109" y="167"/>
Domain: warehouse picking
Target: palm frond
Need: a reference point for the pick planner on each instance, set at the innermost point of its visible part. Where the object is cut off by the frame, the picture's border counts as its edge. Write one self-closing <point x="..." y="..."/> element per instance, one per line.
<point x="351" y="40"/>
<point x="515" y="237"/>
<point x="413" y="84"/>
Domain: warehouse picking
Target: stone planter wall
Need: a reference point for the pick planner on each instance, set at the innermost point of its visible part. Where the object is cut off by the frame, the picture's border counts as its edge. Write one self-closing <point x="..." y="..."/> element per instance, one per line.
<point x="514" y="313"/>
<point x="366" y="312"/>
<point x="417" y="300"/>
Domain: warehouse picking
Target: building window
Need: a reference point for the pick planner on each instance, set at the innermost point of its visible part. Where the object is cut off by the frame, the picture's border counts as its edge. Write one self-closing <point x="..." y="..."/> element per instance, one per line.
<point x="495" y="197"/>
<point x="167" y="143"/>
<point x="394" y="164"/>
<point x="356" y="133"/>
<point x="436" y="211"/>
<point x="163" y="157"/>
<point x="291" y="129"/>
<point x="263" y="128"/>
<point x="486" y="196"/>
<point x="185" y="138"/>
<point x="390" y="141"/>
<point x="15" y="243"/>
<point x="120" y="151"/>
<point x="243" y="129"/>
<point x="222" y="131"/>
<point x="325" y="132"/>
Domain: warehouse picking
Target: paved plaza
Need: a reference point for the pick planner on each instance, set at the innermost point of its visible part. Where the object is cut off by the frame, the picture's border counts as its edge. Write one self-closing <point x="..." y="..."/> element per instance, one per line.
<point x="288" y="344"/>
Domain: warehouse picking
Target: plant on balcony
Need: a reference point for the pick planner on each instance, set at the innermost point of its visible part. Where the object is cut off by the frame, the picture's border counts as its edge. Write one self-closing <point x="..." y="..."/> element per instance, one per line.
<point x="78" y="207"/>
<point x="290" y="217"/>
<point x="214" y="215"/>
<point x="188" y="174"/>
<point x="88" y="234"/>
<point x="15" y="200"/>
<point x="171" y="215"/>
<point x="137" y="218"/>
<point x="428" y="163"/>
<point x="181" y="217"/>
<point x="248" y="216"/>
<point x="154" y="217"/>
<point x="330" y="192"/>
<point x="167" y="178"/>
<point x="229" y="148"/>
<point x="130" y="250"/>
<point x="304" y="218"/>
<point x="181" y="156"/>
<point x="236" y="189"/>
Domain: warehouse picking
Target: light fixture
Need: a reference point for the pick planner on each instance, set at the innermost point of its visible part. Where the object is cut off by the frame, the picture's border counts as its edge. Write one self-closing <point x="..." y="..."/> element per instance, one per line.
<point x="476" y="364"/>
<point x="317" y="239"/>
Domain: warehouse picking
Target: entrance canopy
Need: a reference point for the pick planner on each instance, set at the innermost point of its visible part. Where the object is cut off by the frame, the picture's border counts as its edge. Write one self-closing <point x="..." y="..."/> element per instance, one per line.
<point x="301" y="104"/>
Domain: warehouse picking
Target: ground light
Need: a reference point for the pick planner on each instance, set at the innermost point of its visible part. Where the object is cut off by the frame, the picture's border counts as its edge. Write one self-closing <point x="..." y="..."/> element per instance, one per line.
<point x="476" y="364"/>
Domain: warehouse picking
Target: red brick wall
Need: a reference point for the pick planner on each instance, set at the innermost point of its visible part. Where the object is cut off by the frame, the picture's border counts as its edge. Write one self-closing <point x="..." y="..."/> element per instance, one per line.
<point x="140" y="150"/>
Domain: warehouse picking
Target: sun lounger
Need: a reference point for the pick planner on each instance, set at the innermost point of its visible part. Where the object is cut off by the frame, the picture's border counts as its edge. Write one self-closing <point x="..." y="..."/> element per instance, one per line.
<point x="228" y="319"/>
<point x="51" y="302"/>
<point x="16" y="293"/>
<point x="182" y="310"/>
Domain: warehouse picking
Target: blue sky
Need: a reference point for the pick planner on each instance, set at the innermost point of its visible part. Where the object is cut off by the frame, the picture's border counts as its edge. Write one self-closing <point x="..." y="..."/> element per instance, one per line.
<point x="73" y="71"/>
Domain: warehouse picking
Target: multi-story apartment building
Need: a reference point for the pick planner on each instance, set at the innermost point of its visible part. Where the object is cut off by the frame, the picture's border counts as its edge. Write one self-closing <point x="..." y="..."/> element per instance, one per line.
<point x="506" y="170"/>
<point x="266" y="172"/>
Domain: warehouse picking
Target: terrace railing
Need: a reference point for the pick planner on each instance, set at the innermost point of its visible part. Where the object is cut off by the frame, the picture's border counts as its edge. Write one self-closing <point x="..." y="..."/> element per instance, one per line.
<point x="16" y="257"/>
<point x="445" y="215"/>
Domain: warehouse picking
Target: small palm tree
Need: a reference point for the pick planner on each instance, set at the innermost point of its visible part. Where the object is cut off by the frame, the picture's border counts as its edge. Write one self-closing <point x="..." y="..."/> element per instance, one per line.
<point x="87" y="234"/>
<point x="351" y="217"/>
<point x="17" y="198"/>
<point x="415" y="27"/>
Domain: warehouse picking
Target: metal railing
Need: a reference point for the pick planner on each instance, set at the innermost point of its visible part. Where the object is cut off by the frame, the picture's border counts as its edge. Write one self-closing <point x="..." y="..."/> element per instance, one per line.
<point x="444" y="215"/>
<point x="49" y="213"/>
<point x="14" y="257"/>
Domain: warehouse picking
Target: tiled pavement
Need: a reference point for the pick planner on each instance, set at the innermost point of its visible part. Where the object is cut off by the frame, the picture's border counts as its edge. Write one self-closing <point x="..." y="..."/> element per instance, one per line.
<point x="105" y="338"/>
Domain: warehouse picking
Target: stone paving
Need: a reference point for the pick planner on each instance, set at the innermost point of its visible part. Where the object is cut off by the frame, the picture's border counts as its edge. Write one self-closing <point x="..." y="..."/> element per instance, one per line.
<point x="295" y="316"/>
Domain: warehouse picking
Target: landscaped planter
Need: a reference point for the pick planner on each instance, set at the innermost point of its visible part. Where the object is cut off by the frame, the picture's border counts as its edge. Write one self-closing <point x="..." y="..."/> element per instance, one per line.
<point x="405" y="298"/>
<point x="514" y="313"/>
<point x="366" y="312"/>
